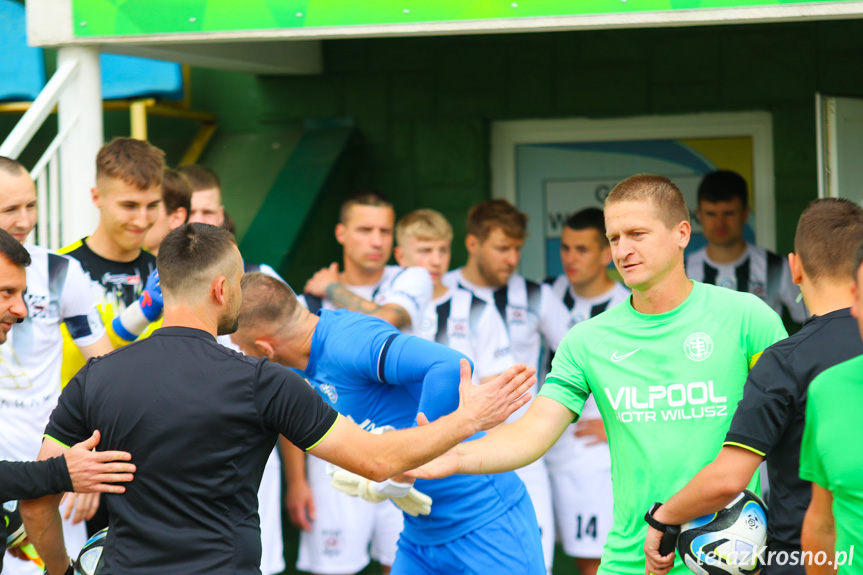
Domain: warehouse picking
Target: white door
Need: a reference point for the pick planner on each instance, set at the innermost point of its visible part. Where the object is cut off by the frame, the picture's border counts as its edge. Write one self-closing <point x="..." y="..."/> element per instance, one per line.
<point x="840" y="150"/>
<point x="552" y="168"/>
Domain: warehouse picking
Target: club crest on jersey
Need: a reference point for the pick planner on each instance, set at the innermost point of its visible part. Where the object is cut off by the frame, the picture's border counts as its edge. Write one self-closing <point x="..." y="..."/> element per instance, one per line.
<point x="457" y="328"/>
<point x="516" y="315"/>
<point x="329" y="390"/>
<point x="758" y="288"/>
<point x="427" y="326"/>
<point x="698" y="346"/>
<point x="37" y="305"/>
<point x="727" y="282"/>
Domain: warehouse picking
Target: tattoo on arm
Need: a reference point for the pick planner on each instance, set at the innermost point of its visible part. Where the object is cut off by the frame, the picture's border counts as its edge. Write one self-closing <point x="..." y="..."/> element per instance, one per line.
<point x="343" y="298"/>
<point x="398" y="316"/>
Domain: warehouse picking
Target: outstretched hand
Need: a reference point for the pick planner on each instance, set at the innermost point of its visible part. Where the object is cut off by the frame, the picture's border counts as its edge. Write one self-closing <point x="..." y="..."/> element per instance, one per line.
<point x="489" y="404"/>
<point x="97" y="471"/>
<point x="443" y="466"/>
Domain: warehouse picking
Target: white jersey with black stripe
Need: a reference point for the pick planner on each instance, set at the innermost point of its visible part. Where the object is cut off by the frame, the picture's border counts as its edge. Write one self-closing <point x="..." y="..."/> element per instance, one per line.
<point x="534" y="317"/>
<point x="757" y="271"/>
<point x="472" y="326"/>
<point x="58" y="290"/>
<point x="571" y="453"/>
<point x="410" y="288"/>
<point x="582" y="308"/>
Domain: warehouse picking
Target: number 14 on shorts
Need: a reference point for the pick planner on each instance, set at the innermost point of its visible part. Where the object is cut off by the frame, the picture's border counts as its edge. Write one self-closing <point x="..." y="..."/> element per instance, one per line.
<point x="585" y="526"/>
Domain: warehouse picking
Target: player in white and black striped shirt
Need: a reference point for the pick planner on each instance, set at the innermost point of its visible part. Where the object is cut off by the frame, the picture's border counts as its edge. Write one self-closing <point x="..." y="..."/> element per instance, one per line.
<point x="730" y="261"/>
<point x="534" y="317"/>
<point x="585" y="287"/>
<point x="455" y="317"/>
<point x="579" y="463"/>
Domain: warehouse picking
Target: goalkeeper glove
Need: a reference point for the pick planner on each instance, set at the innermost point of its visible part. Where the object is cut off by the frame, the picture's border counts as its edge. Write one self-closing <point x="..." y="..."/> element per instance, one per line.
<point x="404" y="495"/>
<point x="135" y="318"/>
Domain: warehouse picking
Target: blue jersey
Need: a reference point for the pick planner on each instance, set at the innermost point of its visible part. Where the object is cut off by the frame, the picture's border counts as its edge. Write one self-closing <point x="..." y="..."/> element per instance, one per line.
<point x="369" y="371"/>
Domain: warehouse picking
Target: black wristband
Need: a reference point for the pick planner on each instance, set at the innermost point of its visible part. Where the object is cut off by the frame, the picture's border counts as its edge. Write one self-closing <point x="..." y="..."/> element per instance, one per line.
<point x="651" y="520"/>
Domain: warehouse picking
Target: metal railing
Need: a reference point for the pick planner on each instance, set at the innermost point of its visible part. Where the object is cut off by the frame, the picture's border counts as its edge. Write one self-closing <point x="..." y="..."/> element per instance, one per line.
<point x="46" y="172"/>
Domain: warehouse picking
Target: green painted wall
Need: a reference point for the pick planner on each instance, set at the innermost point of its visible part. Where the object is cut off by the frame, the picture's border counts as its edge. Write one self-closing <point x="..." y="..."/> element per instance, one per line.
<point x="423" y="106"/>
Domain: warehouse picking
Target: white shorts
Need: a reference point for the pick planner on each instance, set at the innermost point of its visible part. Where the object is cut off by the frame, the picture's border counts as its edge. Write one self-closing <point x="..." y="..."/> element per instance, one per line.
<point x="347" y="531"/>
<point x="535" y="478"/>
<point x="74" y="535"/>
<point x="582" y="511"/>
<point x="270" y="512"/>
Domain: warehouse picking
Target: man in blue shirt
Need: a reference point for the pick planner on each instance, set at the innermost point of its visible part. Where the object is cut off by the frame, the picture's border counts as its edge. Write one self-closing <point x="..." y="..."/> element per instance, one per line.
<point x="370" y="372"/>
<point x="204" y="419"/>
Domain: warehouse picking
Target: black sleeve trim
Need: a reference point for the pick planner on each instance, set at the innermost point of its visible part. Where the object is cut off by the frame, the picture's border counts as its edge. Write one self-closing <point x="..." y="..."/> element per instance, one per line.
<point x="321" y="431"/>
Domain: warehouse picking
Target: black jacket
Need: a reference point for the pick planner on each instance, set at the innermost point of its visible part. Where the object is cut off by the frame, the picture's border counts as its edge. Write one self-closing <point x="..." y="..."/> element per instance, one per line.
<point x="29" y="480"/>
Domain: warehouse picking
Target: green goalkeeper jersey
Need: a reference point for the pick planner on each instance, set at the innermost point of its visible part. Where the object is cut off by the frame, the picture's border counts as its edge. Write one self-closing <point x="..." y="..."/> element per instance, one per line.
<point x="828" y="456"/>
<point x="667" y="386"/>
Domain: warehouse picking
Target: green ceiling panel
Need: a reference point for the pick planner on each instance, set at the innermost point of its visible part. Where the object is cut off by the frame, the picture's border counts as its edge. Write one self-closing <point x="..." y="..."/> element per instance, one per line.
<point x="93" y="17"/>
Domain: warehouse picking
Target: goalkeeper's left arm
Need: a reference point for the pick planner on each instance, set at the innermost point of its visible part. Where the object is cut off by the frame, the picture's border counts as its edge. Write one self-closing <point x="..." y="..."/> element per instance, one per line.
<point x="147" y="309"/>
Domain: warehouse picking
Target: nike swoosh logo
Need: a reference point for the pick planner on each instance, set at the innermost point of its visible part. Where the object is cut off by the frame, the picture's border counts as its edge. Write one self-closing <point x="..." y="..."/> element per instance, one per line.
<point x="615" y="358"/>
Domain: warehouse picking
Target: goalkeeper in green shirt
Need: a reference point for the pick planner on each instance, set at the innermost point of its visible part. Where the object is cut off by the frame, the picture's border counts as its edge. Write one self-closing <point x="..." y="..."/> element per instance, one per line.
<point x="666" y="369"/>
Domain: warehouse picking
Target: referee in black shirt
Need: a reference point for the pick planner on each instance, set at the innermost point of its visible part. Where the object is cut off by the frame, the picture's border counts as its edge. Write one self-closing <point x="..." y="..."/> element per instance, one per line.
<point x="80" y="469"/>
<point x="768" y="423"/>
<point x="202" y="420"/>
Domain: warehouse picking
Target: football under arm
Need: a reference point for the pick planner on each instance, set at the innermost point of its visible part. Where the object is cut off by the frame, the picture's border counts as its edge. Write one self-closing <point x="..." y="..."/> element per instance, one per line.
<point x="819" y="530"/>
<point x="42" y="521"/>
<point x="712" y="488"/>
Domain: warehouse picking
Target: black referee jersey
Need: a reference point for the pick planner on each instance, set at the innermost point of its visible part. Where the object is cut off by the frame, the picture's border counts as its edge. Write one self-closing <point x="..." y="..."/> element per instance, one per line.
<point x="769" y="419"/>
<point x="200" y="421"/>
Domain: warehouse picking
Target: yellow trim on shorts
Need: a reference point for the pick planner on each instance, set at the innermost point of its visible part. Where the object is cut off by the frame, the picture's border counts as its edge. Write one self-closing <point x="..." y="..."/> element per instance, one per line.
<point x="324" y="436"/>
<point x="57" y="441"/>
<point x="754" y="359"/>
<point x="746" y="447"/>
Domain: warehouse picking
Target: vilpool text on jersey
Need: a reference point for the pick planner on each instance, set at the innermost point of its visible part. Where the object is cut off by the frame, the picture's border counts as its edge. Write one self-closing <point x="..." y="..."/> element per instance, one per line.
<point x="673" y="402"/>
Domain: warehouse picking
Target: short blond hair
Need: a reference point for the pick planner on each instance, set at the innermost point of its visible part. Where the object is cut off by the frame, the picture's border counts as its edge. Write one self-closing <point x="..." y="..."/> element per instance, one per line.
<point x="424" y="225"/>
<point x="666" y="197"/>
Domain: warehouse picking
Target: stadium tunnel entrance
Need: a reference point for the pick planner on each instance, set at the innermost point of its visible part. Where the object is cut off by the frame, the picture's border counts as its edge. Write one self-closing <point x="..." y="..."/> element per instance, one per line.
<point x="447" y="117"/>
<point x="419" y="116"/>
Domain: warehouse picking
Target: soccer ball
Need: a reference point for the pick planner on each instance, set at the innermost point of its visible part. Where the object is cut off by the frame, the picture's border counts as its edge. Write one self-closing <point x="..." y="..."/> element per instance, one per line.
<point x="15" y="532"/>
<point x="90" y="559"/>
<point x="726" y="542"/>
